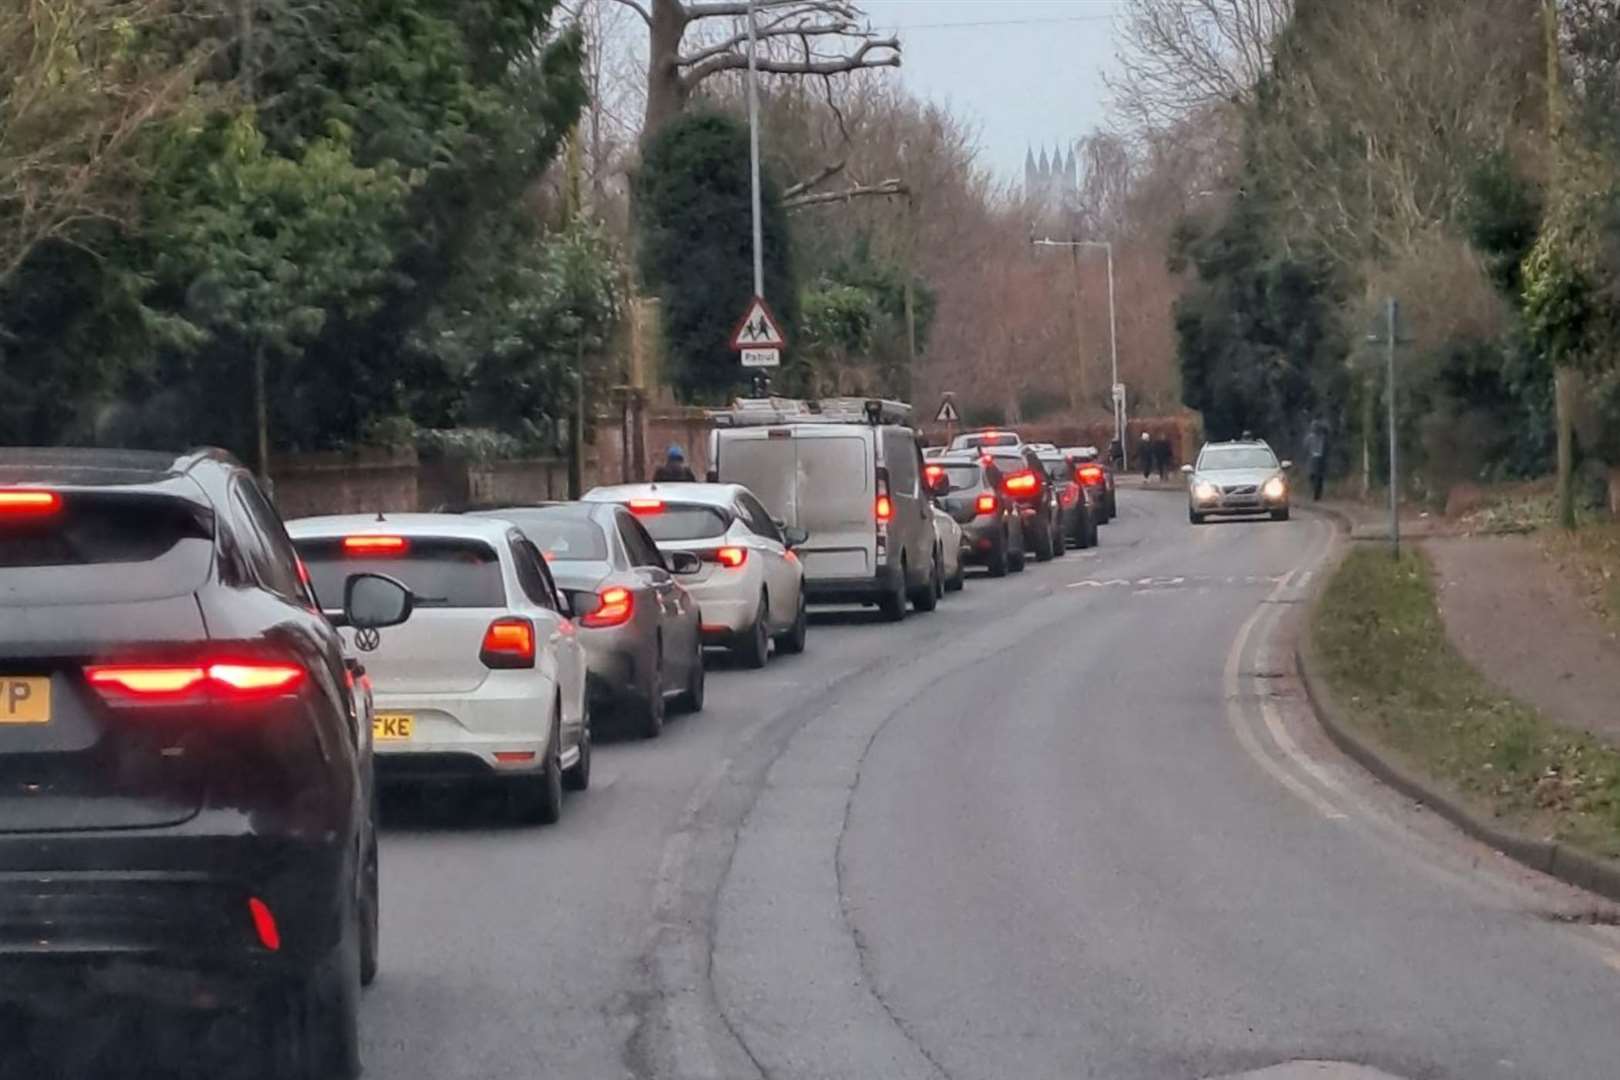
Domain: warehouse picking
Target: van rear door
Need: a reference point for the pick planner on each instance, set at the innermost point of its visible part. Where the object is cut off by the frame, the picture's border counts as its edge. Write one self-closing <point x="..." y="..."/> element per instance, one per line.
<point x="836" y="501"/>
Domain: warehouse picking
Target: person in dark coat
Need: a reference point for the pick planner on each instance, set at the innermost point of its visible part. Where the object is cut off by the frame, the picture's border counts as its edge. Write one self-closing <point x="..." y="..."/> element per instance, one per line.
<point x="1316" y="457"/>
<point x="1145" y="452"/>
<point x="674" y="470"/>
<point x="1161" y="455"/>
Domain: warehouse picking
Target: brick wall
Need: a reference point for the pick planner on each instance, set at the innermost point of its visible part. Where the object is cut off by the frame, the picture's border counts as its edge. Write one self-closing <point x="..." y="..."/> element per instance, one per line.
<point x="306" y="485"/>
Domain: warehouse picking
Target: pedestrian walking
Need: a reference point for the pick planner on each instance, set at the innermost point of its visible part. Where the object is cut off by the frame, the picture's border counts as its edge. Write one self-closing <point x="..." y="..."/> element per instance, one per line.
<point x="674" y="469"/>
<point x="1316" y="457"/>
<point x="1146" y="454"/>
<point x="1161" y="456"/>
<point x="1116" y="454"/>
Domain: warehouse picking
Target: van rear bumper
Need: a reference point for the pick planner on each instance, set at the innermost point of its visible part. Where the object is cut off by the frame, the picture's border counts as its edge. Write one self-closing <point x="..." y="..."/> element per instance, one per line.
<point x="852" y="590"/>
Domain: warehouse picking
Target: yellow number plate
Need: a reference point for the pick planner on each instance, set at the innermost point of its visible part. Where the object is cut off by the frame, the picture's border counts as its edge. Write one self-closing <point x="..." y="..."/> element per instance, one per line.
<point x="391" y="727"/>
<point x="24" y="701"/>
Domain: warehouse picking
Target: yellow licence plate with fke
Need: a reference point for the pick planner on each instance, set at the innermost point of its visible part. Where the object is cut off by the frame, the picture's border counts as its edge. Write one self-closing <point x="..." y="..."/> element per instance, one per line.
<point x="24" y="700"/>
<point x="391" y="727"/>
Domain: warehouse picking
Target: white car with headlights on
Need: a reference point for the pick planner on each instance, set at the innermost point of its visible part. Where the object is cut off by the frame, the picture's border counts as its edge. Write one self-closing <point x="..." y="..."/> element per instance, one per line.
<point x="1237" y="478"/>
<point x="750" y="584"/>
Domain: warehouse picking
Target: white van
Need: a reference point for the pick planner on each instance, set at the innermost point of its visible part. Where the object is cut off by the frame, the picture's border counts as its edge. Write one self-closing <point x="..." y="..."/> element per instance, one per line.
<point x="849" y="472"/>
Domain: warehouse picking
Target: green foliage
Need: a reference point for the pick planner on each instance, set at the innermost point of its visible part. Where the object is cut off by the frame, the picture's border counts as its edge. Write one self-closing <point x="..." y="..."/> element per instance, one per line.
<point x="1502" y="216"/>
<point x="692" y="198"/>
<point x="360" y="216"/>
<point x="1257" y="331"/>
<point x="1038" y="402"/>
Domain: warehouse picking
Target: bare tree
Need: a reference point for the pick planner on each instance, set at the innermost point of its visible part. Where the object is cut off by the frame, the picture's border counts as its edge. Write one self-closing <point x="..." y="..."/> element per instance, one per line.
<point x="690" y="41"/>
<point x="1194" y="56"/>
<point x="77" y="92"/>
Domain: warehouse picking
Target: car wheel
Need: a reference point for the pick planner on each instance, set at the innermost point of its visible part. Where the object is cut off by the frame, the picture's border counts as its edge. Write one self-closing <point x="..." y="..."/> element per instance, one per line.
<point x="926" y="599"/>
<point x="792" y="642"/>
<point x="755" y="647"/>
<point x="1093" y="538"/>
<point x="538" y="799"/>
<point x="696" y="682"/>
<point x="1043" y="542"/>
<point x="651" y="706"/>
<point x="1195" y="517"/>
<point x="317" y="1032"/>
<point x="579" y="777"/>
<point x="1280" y="515"/>
<point x="957" y="580"/>
<point x="1017" y="559"/>
<point x="371" y="903"/>
<point x="893" y="603"/>
<point x="1060" y="541"/>
<point x="997" y="563"/>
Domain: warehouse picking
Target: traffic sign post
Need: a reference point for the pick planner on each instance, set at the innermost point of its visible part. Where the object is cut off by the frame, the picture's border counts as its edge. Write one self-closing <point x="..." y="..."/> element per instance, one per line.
<point x="947" y="413"/>
<point x="758" y="341"/>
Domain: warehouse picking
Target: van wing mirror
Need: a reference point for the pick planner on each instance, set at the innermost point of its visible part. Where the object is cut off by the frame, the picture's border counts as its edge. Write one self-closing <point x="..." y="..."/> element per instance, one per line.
<point x="683" y="562"/>
<point x="795" y="536"/>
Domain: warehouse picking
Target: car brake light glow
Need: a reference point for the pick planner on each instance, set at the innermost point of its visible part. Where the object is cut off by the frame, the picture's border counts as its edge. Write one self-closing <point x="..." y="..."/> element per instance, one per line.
<point x="508" y="643"/>
<point x="731" y="557"/>
<point x="987" y="504"/>
<point x="933" y="472"/>
<point x="646" y="506"/>
<point x="885" y="508"/>
<point x="1070" y="495"/>
<point x="514" y="757"/>
<point x="1023" y="483"/>
<point x="375" y="545"/>
<point x="28" y="502"/>
<point x="264" y="924"/>
<point x="614" y="609"/>
<point x="233" y="678"/>
<point x="1090" y="474"/>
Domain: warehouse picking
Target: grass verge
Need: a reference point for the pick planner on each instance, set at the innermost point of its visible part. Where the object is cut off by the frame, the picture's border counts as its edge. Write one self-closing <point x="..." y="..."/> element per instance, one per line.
<point x="1385" y="655"/>
<point x="1592" y="554"/>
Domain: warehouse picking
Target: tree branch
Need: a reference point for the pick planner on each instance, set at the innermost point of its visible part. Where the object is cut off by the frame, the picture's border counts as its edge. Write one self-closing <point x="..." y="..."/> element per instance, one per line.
<point x="815" y="181"/>
<point x="856" y="61"/>
<point x="887" y="187"/>
<point x="646" y="16"/>
<point x="763" y="33"/>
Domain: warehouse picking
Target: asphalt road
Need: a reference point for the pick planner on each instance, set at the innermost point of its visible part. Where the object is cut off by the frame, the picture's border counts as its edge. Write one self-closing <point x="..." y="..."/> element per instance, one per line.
<point x="1075" y="824"/>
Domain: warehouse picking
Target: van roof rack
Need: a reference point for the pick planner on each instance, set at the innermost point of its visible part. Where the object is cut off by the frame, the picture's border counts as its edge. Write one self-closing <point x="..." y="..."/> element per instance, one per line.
<point x="774" y="411"/>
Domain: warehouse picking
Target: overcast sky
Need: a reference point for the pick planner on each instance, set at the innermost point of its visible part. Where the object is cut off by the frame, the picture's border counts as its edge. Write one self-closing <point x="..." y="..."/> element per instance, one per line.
<point x="1024" y="72"/>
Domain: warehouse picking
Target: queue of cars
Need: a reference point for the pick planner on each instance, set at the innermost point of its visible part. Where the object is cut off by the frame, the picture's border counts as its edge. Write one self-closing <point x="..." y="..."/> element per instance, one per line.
<point x="199" y="702"/>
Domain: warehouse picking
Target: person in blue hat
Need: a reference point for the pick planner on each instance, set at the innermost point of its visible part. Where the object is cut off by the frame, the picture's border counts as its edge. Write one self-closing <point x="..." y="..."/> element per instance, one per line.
<point x="674" y="469"/>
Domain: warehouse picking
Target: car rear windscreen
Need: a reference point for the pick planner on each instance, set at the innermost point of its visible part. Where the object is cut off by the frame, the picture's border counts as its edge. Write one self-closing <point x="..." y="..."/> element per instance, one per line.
<point x="962" y="477"/>
<point x="443" y="572"/>
<point x="1057" y="469"/>
<point x="562" y="537"/>
<point x="92" y="529"/>
<point x="686" y="523"/>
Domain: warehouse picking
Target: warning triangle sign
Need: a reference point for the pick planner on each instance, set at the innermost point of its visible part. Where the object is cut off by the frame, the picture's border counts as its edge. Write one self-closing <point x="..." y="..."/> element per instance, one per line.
<point x="947" y="413"/>
<point x="758" y="329"/>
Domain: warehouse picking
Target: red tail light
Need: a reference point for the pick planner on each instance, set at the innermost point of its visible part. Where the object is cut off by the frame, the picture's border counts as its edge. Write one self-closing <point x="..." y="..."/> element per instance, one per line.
<point x="375" y="545"/>
<point x="1023" y="483"/>
<point x="614" y="608"/>
<point x="264" y="924"/>
<point x="646" y="506"/>
<point x="885" y="509"/>
<point x="28" y="502"/>
<point x="1070" y="495"/>
<point x="731" y="557"/>
<point x="228" y="679"/>
<point x="508" y="643"/>
<point x="1090" y="475"/>
<point x="932" y="473"/>
<point x="987" y="504"/>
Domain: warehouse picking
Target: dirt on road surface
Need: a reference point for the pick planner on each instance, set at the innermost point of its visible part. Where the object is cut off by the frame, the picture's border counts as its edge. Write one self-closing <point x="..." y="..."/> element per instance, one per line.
<point x="1525" y="627"/>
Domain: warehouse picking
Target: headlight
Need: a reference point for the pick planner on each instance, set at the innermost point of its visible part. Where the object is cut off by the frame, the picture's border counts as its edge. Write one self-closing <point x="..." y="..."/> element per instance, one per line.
<point x="1275" y="488"/>
<point x="1204" y="491"/>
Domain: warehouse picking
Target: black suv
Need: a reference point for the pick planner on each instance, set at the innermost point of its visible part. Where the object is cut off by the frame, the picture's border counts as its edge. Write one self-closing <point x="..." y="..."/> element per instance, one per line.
<point x="1024" y="480"/>
<point x="186" y="808"/>
<point x="969" y="488"/>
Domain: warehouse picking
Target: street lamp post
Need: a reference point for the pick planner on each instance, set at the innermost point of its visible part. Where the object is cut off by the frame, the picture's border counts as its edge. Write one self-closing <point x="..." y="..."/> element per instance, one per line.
<point x="1113" y="322"/>
<point x="753" y="153"/>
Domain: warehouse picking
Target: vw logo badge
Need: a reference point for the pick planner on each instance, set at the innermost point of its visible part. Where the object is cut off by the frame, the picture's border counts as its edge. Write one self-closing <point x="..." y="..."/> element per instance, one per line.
<point x="367" y="639"/>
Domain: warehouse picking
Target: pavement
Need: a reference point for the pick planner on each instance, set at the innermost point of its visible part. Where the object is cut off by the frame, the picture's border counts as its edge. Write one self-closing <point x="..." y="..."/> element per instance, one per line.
<point x="1078" y="823"/>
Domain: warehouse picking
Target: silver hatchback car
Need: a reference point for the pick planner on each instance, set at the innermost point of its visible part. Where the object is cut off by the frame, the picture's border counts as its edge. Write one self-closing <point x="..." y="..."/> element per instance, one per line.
<point x="1237" y="478"/>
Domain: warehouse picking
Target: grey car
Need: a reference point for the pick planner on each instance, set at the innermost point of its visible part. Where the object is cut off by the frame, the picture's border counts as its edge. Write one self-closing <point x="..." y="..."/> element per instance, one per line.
<point x="1237" y="478"/>
<point x="968" y="488"/>
<point x="639" y="626"/>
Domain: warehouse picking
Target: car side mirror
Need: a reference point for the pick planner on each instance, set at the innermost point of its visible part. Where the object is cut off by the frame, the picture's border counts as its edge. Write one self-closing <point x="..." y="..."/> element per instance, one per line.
<point x="1187" y="470"/>
<point x="683" y="562"/>
<point x="374" y="601"/>
<point x="795" y="536"/>
<point x="1287" y="465"/>
<point x="565" y="604"/>
<point x="939" y="486"/>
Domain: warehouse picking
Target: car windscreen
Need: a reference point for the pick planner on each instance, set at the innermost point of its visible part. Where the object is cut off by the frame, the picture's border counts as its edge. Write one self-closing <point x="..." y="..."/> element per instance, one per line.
<point x="689" y="522"/>
<point x="562" y="536"/>
<point x="1058" y="469"/>
<point x="112" y="547"/>
<point x="443" y="572"/>
<point x="1237" y="457"/>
